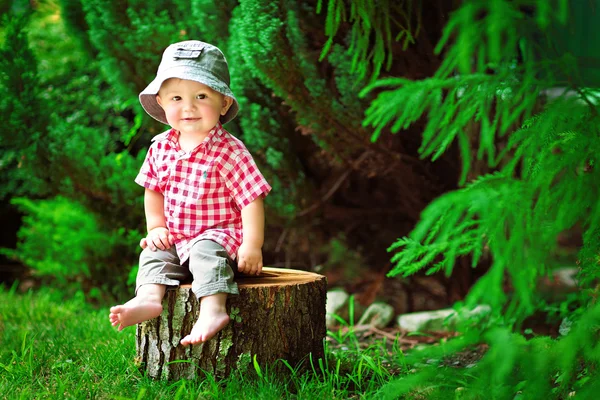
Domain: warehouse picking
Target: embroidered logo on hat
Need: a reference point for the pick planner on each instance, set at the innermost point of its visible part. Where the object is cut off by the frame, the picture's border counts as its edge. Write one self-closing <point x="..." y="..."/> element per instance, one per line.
<point x="186" y="53"/>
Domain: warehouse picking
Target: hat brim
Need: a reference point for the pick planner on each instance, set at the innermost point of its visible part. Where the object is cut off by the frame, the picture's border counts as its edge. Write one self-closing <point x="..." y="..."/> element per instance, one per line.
<point x="148" y="95"/>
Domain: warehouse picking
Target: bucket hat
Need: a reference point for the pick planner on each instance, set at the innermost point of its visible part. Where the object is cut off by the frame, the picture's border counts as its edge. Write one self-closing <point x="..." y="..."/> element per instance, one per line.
<point x="193" y="60"/>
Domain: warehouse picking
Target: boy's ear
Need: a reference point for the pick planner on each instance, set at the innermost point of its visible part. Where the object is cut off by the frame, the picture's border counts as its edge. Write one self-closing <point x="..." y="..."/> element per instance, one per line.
<point x="158" y="100"/>
<point x="227" y="102"/>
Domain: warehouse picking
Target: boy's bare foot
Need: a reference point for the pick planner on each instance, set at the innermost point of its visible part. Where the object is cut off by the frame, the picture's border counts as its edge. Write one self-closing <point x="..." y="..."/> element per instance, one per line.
<point x="133" y="312"/>
<point x="213" y="317"/>
<point x="146" y="305"/>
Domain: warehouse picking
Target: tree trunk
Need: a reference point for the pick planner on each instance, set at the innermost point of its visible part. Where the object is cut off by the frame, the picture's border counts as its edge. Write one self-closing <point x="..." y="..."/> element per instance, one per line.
<point x="278" y="315"/>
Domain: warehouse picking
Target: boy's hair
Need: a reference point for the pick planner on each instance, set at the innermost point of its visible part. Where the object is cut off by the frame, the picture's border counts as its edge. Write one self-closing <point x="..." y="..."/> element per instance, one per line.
<point x="193" y="60"/>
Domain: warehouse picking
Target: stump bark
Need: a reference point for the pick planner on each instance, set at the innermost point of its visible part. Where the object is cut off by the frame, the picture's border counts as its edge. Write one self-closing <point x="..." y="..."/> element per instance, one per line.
<point x="277" y="315"/>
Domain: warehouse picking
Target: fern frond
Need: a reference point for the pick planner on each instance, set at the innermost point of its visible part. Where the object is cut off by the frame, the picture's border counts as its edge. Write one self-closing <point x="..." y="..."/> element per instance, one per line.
<point x="415" y="97"/>
<point x="494" y="102"/>
<point x="490" y="77"/>
<point x="517" y="220"/>
<point x="371" y="36"/>
<point x="450" y="227"/>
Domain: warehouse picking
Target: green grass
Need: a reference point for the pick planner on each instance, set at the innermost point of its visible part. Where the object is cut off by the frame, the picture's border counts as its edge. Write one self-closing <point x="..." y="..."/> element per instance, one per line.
<point x="56" y="348"/>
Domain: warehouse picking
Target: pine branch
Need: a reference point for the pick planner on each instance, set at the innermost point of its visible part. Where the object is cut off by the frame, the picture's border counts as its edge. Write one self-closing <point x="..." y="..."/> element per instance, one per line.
<point x="518" y="220"/>
<point x="377" y="20"/>
<point x="489" y="76"/>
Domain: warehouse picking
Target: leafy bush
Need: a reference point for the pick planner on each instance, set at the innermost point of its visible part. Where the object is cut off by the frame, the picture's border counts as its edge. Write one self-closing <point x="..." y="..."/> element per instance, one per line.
<point x="66" y="135"/>
<point x="62" y="240"/>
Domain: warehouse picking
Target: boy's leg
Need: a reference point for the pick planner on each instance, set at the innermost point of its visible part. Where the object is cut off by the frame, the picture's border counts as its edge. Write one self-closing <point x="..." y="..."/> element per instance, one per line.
<point x="210" y="266"/>
<point x="213" y="317"/>
<point x="158" y="269"/>
<point x="146" y="304"/>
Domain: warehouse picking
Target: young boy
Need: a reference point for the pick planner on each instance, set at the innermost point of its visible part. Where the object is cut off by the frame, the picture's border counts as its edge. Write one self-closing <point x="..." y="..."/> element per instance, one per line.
<point x="204" y="193"/>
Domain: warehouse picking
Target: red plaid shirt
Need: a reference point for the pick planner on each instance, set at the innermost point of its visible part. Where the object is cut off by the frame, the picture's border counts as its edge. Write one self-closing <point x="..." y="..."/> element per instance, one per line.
<point x="205" y="189"/>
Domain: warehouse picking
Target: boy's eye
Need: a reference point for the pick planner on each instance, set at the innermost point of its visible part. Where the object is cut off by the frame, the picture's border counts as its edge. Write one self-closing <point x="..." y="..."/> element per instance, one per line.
<point x="201" y="96"/>
<point x="176" y="98"/>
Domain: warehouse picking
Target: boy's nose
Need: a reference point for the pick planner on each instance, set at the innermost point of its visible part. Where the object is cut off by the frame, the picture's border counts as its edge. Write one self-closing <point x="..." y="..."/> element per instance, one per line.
<point x="188" y="105"/>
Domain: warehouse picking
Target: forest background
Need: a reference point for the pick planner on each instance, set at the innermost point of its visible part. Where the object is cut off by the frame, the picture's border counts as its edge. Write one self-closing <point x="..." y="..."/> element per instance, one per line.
<point x="468" y="129"/>
<point x="71" y="74"/>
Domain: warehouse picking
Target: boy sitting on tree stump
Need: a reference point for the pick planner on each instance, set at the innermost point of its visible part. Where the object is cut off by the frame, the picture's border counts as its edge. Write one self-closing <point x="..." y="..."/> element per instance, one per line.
<point x="204" y="193"/>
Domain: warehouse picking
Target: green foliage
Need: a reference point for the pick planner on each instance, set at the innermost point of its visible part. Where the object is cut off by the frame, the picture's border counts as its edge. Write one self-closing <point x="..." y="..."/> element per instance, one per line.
<point x="271" y="38"/>
<point x="493" y="82"/>
<point x="19" y="81"/>
<point x="262" y="124"/>
<point x="129" y="64"/>
<point x="75" y="22"/>
<point x="257" y="119"/>
<point x="5" y="6"/>
<point x="342" y="257"/>
<point x="69" y="126"/>
<point x="62" y="240"/>
<point x="516" y="220"/>
<point x="103" y="179"/>
<point x="373" y="31"/>
<point x="489" y="34"/>
<point x="347" y="82"/>
<point x="453" y="104"/>
<point x="73" y="126"/>
<point x="24" y="120"/>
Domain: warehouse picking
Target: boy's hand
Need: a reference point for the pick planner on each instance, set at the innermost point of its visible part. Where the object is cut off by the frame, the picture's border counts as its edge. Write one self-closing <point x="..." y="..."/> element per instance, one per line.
<point x="158" y="238"/>
<point x="250" y="259"/>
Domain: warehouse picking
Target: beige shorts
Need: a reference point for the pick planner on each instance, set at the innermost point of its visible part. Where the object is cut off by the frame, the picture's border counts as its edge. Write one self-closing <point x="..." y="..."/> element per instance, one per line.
<point x="209" y="268"/>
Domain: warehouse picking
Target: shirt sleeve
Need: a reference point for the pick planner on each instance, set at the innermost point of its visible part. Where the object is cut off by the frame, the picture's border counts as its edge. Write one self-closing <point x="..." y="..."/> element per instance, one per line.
<point x="244" y="179"/>
<point x="147" y="176"/>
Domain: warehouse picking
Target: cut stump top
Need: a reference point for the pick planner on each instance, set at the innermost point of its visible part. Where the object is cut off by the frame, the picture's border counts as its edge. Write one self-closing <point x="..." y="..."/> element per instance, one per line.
<point x="273" y="277"/>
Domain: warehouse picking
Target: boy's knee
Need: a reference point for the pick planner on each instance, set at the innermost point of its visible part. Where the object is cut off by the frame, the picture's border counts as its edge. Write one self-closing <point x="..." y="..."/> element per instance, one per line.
<point x="212" y="269"/>
<point x="168" y="256"/>
<point x="208" y="249"/>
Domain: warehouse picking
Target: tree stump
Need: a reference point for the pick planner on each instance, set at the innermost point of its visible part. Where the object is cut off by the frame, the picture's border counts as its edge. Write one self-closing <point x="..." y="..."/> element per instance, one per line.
<point x="277" y="315"/>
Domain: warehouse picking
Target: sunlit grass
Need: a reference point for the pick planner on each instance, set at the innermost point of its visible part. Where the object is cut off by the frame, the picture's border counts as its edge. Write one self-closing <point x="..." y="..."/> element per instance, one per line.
<point x="56" y="348"/>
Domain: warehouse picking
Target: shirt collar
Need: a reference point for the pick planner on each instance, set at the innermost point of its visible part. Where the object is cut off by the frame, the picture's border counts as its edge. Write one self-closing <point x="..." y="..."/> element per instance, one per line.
<point x="214" y="136"/>
<point x="172" y="136"/>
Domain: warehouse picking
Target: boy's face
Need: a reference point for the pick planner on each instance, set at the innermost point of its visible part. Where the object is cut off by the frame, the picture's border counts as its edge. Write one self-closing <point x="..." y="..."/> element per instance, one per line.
<point x="191" y="107"/>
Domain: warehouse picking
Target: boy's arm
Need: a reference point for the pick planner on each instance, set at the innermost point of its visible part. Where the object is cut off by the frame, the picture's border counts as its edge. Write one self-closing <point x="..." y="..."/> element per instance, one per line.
<point x="253" y="226"/>
<point x="158" y="234"/>
<point x="154" y="209"/>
